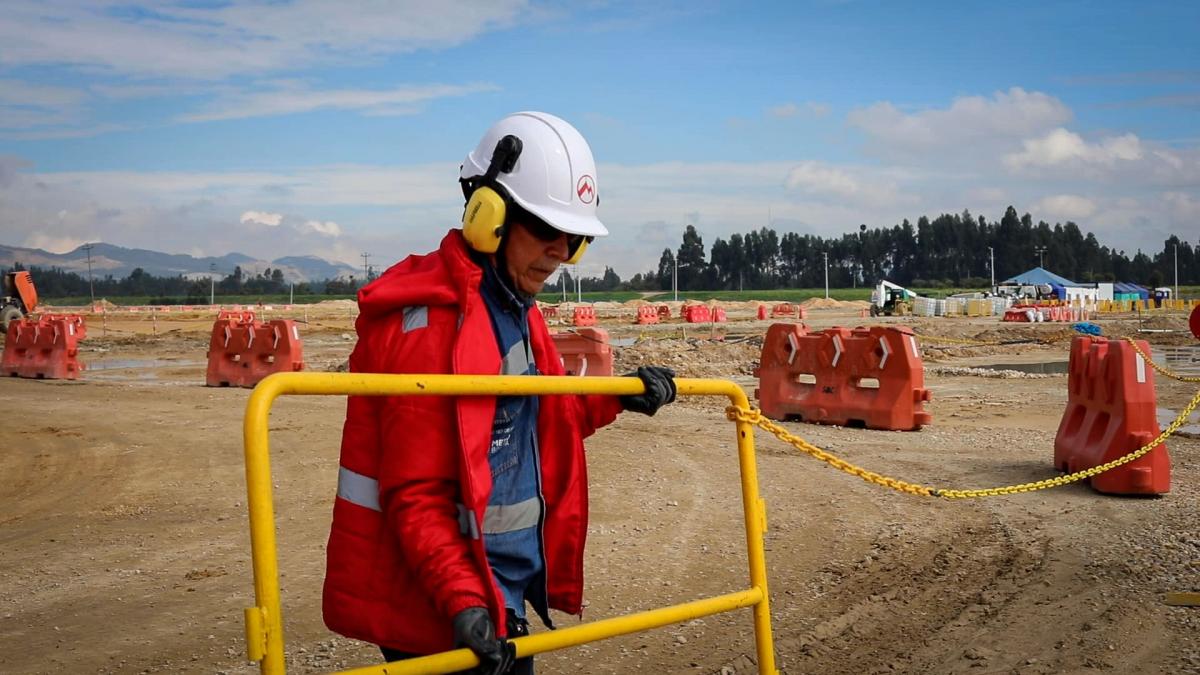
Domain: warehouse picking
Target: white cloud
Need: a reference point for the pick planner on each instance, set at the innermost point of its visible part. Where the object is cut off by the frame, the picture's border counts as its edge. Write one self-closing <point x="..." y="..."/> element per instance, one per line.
<point x="1183" y="206"/>
<point x="862" y="186"/>
<point x="262" y="218"/>
<point x="291" y="99"/>
<point x="327" y="228"/>
<point x="17" y="92"/>
<point x="1061" y="147"/>
<point x="51" y="243"/>
<point x="785" y="110"/>
<point x="26" y="105"/>
<point x="969" y="119"/>
<point x="1064" y="207"/>
<point x="818" y="179"/>
<point x="214" y="42"/>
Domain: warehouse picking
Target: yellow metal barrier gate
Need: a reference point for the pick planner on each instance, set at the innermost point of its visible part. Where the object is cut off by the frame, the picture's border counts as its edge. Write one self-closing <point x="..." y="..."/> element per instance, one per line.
<point x="264" y="622"/>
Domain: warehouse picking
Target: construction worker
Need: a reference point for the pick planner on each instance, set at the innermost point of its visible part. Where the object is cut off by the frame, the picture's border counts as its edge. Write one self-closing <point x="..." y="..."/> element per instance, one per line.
<point x="453" y="514"/>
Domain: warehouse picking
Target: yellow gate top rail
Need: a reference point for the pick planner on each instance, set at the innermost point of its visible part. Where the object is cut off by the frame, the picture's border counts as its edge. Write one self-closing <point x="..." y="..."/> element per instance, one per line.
<point x="264" y="623"/>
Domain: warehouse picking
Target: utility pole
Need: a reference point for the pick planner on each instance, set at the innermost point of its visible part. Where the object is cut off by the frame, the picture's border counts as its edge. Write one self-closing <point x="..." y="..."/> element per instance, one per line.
<point x="92" y="289"/>
<point x="826" y="254"/>
<point x="578" y="286"/>
<point x="212" y="283"/>
<point x="1041" y="251"/>
<point x="675" y="278"/>
<point x="1176" y="271"/>
<point x="992" y="265"/>
<point x="562" y="281"/>
<point x="366" y="268"/>
<point x="292" y="294"/>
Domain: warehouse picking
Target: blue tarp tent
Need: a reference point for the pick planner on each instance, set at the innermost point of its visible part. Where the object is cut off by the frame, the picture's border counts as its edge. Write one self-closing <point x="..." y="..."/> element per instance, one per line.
<point x="1124" y="291"/>
<point x="1037" y="276"/>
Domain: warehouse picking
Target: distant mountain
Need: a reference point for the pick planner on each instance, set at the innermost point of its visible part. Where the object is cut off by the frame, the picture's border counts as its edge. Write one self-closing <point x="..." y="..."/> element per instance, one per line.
<point x="120" y="261"/>
<point x="312" y="267"/>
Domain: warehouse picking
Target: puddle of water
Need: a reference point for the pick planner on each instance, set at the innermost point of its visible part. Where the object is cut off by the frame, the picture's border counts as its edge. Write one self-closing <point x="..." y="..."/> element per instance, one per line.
<point x="1183" y="360"/>
<point x="1192" y="426"/>
<point x="125" y="364"/>
<point x="1043" y="368"/>
<point x="622" y="342"/>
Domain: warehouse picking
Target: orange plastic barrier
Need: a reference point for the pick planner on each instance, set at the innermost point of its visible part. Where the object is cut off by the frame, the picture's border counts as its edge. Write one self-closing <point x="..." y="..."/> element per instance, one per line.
<point x="664" y="312"/>
<point x="550" y="311"/>
<point x="783" y="309"/>
<point x="872" y="377"/>
<point x="44" y="348"/>
<point x="240" y="353"/>
<point x="762" y="312"/>
<point x="584" y="316"/>
<point x="647" y="314"/>
<point x="585" y="351"/>
<point x="696" y="314"/>
<point x="1111" y="412"/>
<point x="241" y="316"/>
<point x="718" y="315"/>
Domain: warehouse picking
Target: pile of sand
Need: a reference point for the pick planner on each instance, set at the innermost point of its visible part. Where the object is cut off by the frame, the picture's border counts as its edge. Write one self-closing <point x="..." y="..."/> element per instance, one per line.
<point x="691" y="357"/>
<point x="830" y="303"/>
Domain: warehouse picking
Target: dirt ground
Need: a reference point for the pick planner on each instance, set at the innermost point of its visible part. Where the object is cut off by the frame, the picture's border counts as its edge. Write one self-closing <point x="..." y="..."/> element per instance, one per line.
<point x="124" y="543"/>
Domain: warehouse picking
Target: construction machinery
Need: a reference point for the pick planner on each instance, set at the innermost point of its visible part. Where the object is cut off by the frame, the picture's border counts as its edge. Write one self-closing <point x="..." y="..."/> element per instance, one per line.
<point x="888" y="299"/>
<point x="19" y="299"/>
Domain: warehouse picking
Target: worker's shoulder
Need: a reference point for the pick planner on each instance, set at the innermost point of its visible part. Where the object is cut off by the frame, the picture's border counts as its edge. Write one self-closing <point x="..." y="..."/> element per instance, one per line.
<point x="417" y="281"/>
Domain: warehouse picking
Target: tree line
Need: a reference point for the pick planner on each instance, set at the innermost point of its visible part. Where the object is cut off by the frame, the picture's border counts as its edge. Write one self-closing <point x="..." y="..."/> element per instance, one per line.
<point x="951" y="250"/>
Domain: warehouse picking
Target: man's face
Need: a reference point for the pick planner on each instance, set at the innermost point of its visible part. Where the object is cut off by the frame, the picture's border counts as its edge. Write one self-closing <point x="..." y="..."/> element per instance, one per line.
<point x="532" y="253"/>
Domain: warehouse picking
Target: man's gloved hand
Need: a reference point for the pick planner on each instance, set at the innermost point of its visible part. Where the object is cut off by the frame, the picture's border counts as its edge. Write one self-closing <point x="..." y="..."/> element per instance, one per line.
<point x="473" y="629"/>
<point x="660" y="390"/>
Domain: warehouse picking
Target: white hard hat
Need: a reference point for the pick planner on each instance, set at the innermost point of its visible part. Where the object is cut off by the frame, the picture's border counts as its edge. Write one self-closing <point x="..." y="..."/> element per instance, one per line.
<point x="555" y="176"/>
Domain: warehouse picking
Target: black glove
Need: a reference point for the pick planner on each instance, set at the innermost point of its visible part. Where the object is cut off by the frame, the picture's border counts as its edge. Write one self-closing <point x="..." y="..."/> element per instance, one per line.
<point x="473" y="628"/>
<point x="660" y="390"/>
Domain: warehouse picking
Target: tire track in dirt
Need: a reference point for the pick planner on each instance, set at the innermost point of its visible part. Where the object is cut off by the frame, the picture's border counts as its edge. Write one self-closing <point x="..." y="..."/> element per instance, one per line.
<point x="45" y="466"/>
<point x="909" y="585"/>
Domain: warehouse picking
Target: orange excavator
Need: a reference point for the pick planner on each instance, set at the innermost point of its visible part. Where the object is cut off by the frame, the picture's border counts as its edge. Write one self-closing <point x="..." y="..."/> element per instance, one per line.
<point x="19" y="299"/>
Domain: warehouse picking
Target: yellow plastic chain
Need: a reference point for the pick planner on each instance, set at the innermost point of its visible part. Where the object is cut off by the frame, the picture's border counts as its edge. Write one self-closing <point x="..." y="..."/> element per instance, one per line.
<point x="755" y="417"/>
<point x="1164" y="371"/>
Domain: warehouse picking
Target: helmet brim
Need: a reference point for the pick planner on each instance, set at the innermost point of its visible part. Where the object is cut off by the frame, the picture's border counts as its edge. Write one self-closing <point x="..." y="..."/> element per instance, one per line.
<point x="565" y="221"/>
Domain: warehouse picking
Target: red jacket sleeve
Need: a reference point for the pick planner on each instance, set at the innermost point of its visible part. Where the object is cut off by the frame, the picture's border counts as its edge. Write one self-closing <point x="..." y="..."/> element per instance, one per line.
<point x="594" y="411"/>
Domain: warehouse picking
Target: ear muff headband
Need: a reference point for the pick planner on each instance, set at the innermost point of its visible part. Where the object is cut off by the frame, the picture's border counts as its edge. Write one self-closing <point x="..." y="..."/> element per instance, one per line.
<point x="578" y="252"/>
<point x="487" y="200"/>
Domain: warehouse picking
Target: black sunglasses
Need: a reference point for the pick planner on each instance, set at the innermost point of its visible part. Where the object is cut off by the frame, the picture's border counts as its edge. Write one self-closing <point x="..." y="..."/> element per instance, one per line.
<point x="543" y="231"/>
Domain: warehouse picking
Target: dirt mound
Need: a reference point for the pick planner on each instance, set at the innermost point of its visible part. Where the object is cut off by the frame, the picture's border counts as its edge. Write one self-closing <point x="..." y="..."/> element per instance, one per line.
<point x="692" y="357"/>
<point x="830" y="303"/>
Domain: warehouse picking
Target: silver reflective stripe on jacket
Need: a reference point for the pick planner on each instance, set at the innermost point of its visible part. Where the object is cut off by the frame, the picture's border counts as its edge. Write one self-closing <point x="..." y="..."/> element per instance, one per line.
<point x="358" y="489"/>
<point x="466" y="522"/>
<point x="415" y="317"/>
<point x="501" y="519"/>
<point x="512" y="517"/>
<point x="516" y="361"/>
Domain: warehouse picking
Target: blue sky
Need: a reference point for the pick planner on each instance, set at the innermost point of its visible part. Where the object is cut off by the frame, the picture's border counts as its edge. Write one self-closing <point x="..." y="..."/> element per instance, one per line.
<point x="334" y="128"/>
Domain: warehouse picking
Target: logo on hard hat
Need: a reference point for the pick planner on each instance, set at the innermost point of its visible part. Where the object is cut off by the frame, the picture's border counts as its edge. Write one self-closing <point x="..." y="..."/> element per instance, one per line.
<point x="586" y="189"/>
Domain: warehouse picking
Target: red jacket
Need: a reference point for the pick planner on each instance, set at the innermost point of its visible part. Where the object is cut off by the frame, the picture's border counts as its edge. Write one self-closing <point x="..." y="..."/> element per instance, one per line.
<point x="400" y="569"/>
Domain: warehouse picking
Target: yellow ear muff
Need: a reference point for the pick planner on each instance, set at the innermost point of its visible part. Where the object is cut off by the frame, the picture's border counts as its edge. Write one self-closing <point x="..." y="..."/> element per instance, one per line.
<point x="483" y="220"/>
<point x="578" y="252"/>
